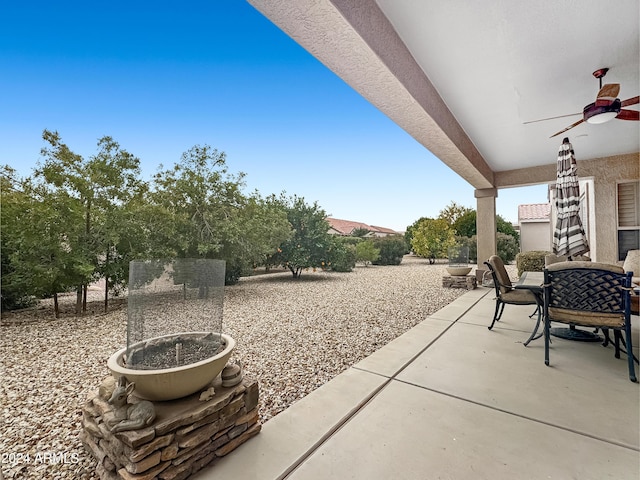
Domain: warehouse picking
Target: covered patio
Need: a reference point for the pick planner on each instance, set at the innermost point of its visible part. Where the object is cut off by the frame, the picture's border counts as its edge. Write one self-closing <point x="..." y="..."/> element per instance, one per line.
<point x="484" y="86"/>
<point x="451" y="399"/>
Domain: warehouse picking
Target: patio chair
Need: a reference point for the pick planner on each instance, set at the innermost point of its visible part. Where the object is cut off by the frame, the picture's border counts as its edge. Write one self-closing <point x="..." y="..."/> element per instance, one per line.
<point x="632" y="264"/>
<point x="505" y="292"/>
<point x="589" y="294"/>
<point x="552" y="258"/>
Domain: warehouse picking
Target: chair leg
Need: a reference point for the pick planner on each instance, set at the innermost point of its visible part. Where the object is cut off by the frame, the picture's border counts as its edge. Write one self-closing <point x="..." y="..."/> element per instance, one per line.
<point x="617" y="334"/>
<point x="502" y="304"/>
<point x="546" y="341"/>
<point x="629" y="346"/>
<point x="495" y="315"/>
<point x="535" y="330"/>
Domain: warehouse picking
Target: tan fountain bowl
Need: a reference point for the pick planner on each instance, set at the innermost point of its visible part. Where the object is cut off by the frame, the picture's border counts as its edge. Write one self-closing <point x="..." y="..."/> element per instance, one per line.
<point x="458" y="271"/>
<point x="176" y="382"/>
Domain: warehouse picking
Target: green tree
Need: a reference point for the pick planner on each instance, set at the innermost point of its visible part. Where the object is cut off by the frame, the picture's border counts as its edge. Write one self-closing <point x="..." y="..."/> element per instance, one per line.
<point x="201" y="200"/>
<point x="366" y="252"/>
<point x="210" y="217"/>
<point x="262" y="227"/>
<point x="101" y="186"/>
<point x="432" y="238"/>
<point x="408" y="234"/>
<point x="38" y="260"/>
<point x="452" y="212"/>
<point x="310" y="243"/>
<point x="502" y="226"/>
<point x="360" y="232"/>
<point x="12" y="202"/>
<point x="465" y="224"/>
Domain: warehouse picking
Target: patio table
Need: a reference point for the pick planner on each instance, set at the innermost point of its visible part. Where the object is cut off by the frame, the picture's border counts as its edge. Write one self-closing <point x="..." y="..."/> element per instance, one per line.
<point x="533" y="282"/>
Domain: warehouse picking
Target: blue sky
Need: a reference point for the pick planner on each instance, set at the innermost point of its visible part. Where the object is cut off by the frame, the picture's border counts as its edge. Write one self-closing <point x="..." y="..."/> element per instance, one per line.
<point x="161" y="77"/>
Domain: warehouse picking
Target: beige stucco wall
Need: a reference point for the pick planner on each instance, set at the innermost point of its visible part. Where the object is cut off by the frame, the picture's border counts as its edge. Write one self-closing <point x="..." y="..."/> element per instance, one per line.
<point x="486" y="224"/>
<point x="535" y="236"/>
<point x="607" y="173"/>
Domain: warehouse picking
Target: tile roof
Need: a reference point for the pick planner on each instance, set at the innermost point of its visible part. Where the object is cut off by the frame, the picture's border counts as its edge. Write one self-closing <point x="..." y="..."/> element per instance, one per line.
<point x="384" y="230"/>
<point x="345" y="227"/>
<point x="534" y="211"/>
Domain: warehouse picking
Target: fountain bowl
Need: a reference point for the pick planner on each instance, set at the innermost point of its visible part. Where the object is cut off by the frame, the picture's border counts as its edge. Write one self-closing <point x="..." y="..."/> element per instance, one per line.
<point x="458" y="271"/>
<point x="175" y="382"/>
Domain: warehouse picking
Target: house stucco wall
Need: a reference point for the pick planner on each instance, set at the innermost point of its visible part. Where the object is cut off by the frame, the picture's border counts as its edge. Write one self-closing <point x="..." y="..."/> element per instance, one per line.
<point x="486" y="224"/>
<point x="606" y="175"/>
<point x="535" y="236"/>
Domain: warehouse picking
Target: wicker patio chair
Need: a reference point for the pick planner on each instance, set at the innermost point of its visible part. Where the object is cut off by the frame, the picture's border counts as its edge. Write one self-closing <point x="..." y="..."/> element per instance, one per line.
<point x="589" y="294"/>
<point x="505" y="292"/>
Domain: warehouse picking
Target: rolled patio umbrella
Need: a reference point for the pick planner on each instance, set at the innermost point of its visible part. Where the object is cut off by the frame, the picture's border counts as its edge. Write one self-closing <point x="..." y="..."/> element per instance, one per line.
<point x="568" y="236"/>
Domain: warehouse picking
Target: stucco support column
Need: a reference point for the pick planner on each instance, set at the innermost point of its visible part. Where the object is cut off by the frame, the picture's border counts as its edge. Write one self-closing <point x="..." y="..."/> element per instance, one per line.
<point x="486" y="224"/>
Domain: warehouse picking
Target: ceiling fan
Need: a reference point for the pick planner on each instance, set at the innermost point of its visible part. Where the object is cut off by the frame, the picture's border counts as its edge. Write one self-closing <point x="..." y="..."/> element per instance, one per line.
<point x="606" y="107"/>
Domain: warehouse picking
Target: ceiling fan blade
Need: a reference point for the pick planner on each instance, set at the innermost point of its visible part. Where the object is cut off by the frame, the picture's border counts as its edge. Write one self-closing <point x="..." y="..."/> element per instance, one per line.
<point x="629" y="115"/>
<point x="630" y="101"/>
<point x="568" y="128"/>
<point x="610" y="90"/>
<point x="552" y="118"/>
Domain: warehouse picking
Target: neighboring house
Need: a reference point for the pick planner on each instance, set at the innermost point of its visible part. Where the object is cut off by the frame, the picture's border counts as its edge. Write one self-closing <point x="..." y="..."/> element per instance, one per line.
<point x="346" y="228"/>
<point x="382" y="231"/>
<point x="534" y="220"/>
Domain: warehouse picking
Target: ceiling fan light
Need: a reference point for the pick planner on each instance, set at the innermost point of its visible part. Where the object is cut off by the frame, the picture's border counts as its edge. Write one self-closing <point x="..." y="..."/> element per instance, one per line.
<point x="602" y="117"/>
<point x="594" y="113"/>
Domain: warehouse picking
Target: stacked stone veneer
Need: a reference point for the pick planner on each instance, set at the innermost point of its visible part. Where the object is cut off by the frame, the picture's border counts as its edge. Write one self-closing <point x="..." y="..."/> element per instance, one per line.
<point x="187" y="434"/>
<point x="459" y="281"/>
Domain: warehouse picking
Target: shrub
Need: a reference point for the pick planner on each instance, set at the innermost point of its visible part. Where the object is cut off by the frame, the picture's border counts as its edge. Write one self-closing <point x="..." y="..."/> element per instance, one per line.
<point x="507" y="247"/>
<point x="232" y="273"/>
<point x="532" y="261"/>
<point x="342" y="255"/>
<point x="366" y="252"/>
<point x="349" y="240"/>
<point x="392" y="249"/>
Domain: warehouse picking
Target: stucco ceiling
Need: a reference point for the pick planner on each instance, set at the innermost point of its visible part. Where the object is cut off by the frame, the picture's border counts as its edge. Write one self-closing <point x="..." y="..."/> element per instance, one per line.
<point x="499" y="64"/>
<point x="463" y="77"/>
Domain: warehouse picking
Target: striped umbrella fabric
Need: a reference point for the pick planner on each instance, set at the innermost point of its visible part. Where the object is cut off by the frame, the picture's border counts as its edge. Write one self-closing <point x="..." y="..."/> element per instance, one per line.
<point x="568" y="236"/>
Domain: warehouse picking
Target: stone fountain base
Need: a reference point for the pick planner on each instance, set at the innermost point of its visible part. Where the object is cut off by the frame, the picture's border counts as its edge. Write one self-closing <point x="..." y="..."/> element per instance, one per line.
<point x="467" y="282"/>
<point x="187" y="434"/>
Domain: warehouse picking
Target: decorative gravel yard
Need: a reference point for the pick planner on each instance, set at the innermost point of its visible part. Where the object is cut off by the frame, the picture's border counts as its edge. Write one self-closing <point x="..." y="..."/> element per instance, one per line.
<point x="293" y="335"/>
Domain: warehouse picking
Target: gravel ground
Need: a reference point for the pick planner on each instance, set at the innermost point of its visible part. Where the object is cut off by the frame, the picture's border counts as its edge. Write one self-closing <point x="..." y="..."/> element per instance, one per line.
<point x="293" y="335"/>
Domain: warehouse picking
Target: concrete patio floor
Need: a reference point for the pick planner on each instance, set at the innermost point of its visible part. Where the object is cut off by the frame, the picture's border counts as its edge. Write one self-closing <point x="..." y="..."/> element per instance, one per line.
<point x="450" y="399"/>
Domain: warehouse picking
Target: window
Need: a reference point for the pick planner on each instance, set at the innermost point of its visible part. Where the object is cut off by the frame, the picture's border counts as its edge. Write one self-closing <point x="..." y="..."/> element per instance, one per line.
<point x="628" y="202"/>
